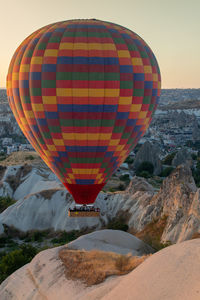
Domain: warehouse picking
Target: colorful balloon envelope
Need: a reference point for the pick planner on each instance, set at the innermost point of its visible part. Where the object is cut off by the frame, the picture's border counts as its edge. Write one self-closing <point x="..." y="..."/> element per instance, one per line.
<point x="83" y="92"/>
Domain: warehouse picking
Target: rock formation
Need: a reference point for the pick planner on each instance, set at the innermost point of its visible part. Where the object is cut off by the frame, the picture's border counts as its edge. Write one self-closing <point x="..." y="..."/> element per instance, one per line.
<point x="196" y="132"/>
<point x="172" y="273"/>
<point x="178" y="200"/>
<point x="182" y="157"/>
<point x="148" y="152"/>
<point x="42" y="203"/>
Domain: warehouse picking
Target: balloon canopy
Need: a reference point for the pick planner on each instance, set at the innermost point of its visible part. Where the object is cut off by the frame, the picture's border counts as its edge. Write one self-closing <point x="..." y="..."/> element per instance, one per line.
<point x="83" y="92"/>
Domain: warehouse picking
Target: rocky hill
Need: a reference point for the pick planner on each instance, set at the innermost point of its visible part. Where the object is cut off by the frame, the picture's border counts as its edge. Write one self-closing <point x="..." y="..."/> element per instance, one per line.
<point x="42" y="203"/>
<point x="148" y="152"/>
<point x="172" y="273"/>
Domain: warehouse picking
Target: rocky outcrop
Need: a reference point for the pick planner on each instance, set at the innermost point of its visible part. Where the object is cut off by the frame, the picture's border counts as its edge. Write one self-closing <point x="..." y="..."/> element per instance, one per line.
<point x="8" y="124"/>
<point x="172" y="273"/>
<point x="196" y="132"/>
<point x="178" y="200"/>
<point x="182" y="157"/>
<point x="21" y="180"/>
<point x="111" y="240"/>
<point x="42" y="203"/>
<point x="150" y="153"/>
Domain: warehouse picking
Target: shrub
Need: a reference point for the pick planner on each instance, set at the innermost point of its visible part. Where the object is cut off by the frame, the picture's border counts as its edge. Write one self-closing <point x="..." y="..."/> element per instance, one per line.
<point x="144" y="174"/>
<point x="118" y="224"/>
<point x="3" y="241"/>
<point x="194" y="156"/>
<point x="2" y="156"/>
<point x="29" y="157"/>
<point x="129" y="160"/>
<point x="5" y="202"/>
<point x="196" y="176"/>
<point x="14" y="260"/>
<point x="38" y="236"/>
<point x="168" y="159"/>
<point x="125" y="178"/>
<point x="166" y="172"/>
<point x="145" y="166"/>
<point x="65" y="237"/>
<point x="121" y="187"/>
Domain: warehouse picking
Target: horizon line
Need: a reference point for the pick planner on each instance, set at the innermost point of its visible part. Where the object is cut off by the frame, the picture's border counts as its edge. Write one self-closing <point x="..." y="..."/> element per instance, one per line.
<point x="164" y="88"/>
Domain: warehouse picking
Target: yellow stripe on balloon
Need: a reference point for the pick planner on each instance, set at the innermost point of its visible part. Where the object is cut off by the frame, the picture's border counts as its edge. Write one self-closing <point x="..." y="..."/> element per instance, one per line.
<point x="135" y="107"/>
<point x="87" y="46"/>
<point x="51" y="52"/>
<point x="136" y="61"/>
<point x="49" y="99"/>
<point x="36" y="60"/>
<point x="125" y="100"/>
<point x="24" y="68"/>
<point x="58" y="142"/>
<point x="147" y="69"/>
<point x="79" y="92"/>
<point x="85" y="171"/>
<point x="142" y="114"/>
<point x="114" y="142"/>
<point x="123" y="53"/>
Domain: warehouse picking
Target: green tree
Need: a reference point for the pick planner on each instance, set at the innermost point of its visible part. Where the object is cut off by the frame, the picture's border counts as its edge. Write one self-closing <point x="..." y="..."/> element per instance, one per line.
<point x="168" y="159"/>
<point x="166" y="172"/>
<point x="5" y="202"/>
<point x="15" y="260"/>
<point x="145" y="166"/>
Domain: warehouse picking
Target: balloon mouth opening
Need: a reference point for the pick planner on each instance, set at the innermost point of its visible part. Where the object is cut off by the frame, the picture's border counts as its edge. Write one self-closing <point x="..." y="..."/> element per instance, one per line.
<point x="84" y="194"/>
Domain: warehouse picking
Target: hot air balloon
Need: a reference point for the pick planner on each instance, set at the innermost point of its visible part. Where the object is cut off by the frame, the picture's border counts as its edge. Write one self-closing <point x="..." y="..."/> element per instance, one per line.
<point x="83" y="92"/>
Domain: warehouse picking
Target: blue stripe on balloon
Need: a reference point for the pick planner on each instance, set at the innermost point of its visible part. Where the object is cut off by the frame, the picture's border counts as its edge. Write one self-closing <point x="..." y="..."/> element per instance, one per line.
<point x="131" y="122"/>
<point x="85" y="181"/>
<point x="148" y="84"/>
<point x="42" y="122"/>
<point x="157" y="99"/>
<point x="35" y="128"/>
<point x="109" y="154"/>
<point x="48" y="68"/>
<point x="126" y="36"/>
<point x="86" y="148"/>
<point x="154" y="92"/>
<point x="138" y="77"/>
<point x="24" y="84"/>
<point x="86" y="108"/>
<point x="69" y="60"/>
<point x="122" y="115"/>
<point x="137" y="128"/>
<point x="35" y="75"/>
<point x="51" y="115"/>
<point x="62" y="153"/>
<point x="126" y="69"/>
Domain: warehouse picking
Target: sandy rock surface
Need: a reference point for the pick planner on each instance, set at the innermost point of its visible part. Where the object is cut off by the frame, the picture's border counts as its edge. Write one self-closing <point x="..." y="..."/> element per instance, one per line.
<point x="172" y="273"/>
<point x="111" y="240"/>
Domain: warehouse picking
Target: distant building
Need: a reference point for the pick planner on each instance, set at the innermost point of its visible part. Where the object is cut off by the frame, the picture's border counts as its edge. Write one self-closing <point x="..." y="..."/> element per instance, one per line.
<point x="11" y="149"/>
<point x="26" y="147"/>
<point x="7" y="142"/>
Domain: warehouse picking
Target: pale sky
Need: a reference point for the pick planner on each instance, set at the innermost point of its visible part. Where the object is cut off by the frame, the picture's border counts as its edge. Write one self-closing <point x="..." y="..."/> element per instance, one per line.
<point x="170" y="27"/>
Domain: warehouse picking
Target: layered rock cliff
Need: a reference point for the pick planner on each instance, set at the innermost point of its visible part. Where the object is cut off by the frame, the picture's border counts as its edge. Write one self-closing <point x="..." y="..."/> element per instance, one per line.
<point x="42" y="203"/>
<point x="172" y="273"/>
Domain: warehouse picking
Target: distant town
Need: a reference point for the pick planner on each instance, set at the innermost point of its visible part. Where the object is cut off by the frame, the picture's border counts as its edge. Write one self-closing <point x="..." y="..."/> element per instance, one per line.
<point x="175" y="124"/>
